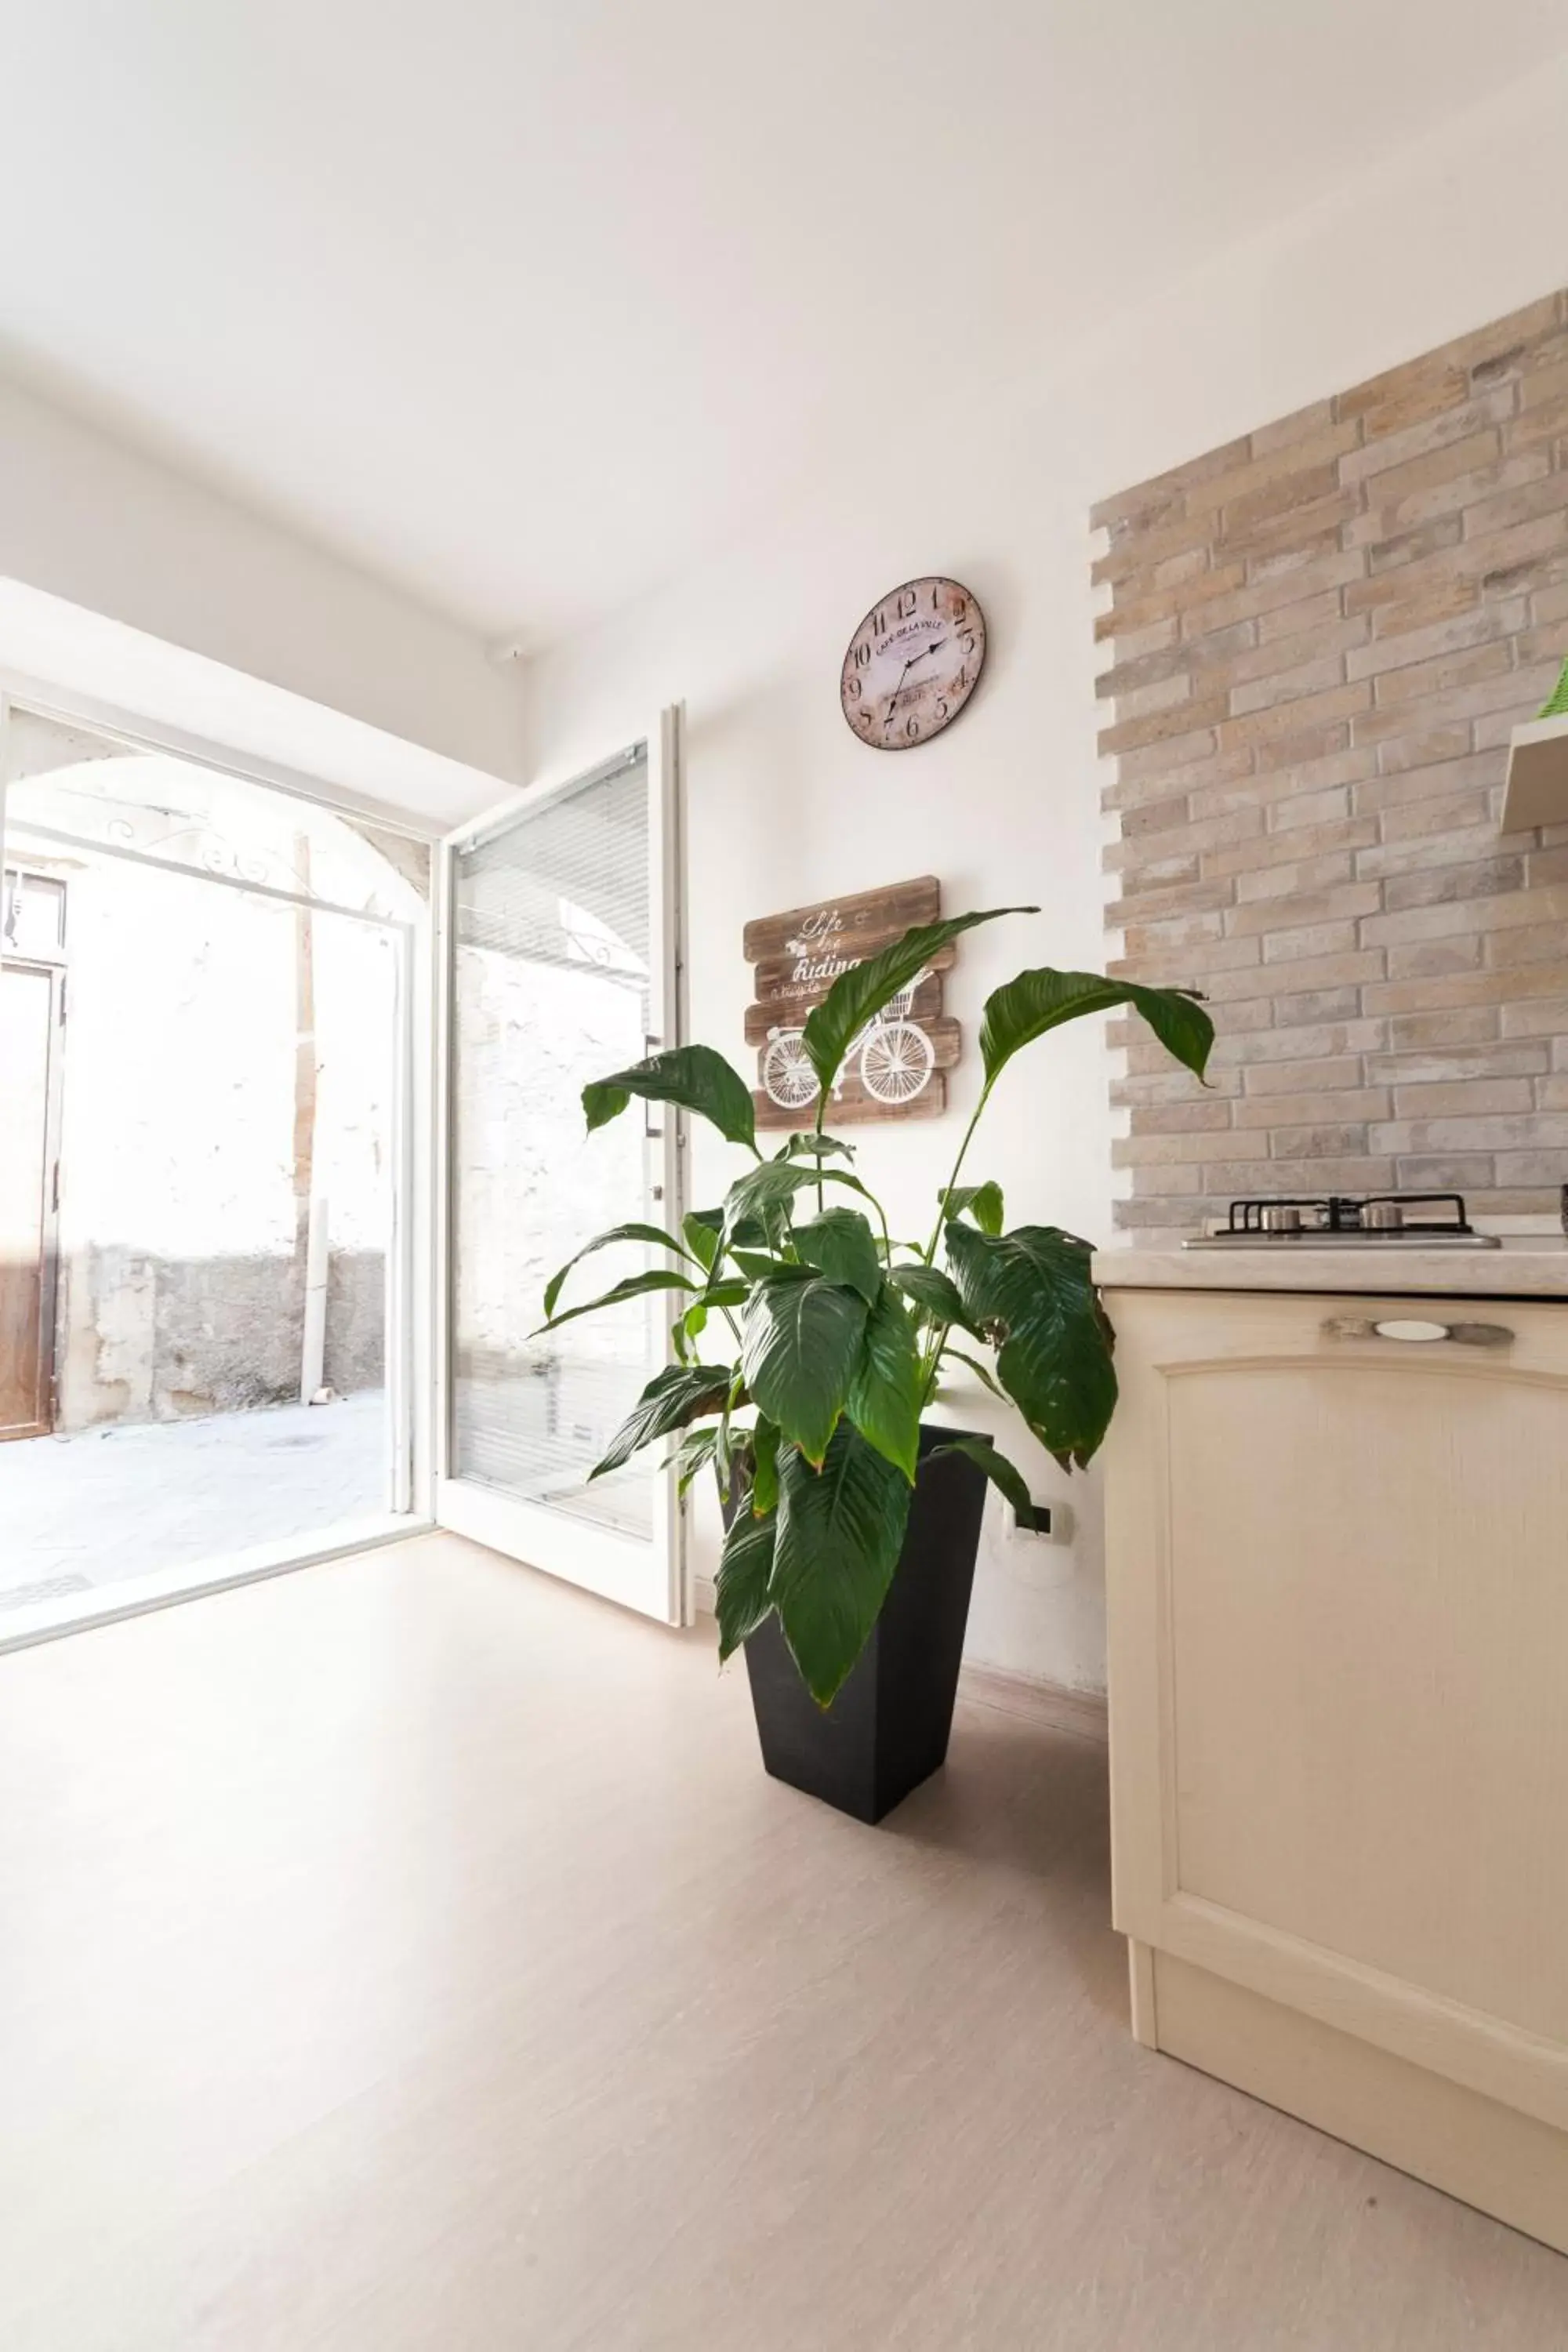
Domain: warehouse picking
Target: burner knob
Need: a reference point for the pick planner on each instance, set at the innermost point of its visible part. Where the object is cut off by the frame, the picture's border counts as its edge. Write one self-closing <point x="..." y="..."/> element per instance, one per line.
<point x="1382" y="1217"/>
<point x="1282" y="1217"/>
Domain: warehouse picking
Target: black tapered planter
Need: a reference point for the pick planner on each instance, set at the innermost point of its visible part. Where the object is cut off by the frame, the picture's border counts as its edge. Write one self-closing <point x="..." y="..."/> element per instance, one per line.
<point x="887" y="1730"/>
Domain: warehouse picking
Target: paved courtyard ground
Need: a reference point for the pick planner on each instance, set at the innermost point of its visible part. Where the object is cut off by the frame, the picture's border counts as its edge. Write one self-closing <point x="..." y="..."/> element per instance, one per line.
<point x="104" y="1505"/>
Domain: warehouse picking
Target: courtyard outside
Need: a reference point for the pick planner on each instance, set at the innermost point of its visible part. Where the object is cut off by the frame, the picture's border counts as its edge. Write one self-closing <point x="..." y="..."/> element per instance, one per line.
<point x="111" y="1505"/>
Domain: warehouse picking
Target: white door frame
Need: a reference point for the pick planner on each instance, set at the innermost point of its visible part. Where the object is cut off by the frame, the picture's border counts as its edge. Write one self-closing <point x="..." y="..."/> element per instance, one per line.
<point x="416" y="1364"/>
<point x="601" y="1562"/>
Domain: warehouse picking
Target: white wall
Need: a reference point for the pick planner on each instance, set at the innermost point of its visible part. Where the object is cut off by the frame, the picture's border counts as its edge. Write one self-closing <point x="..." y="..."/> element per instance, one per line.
<point x="786" y="807"/>
<point x="118" y="535"/>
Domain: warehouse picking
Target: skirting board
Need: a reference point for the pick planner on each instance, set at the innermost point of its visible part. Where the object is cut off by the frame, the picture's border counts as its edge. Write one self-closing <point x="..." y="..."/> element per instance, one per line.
<point x="1080" y="1714"/>
<point x="1487" y="2154"/>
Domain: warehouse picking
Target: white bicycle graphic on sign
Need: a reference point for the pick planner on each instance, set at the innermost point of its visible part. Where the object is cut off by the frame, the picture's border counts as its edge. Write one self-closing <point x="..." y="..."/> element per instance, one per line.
<point x="897" y="1057"/>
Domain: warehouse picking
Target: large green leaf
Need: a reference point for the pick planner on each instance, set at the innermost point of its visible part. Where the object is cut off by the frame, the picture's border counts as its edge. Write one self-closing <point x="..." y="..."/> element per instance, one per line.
<point x="692" y="1077"/>
<point x="693" y="1455"/>
<point x="864" y="988"/>
<point x="800" y="1343"/>
<point x="741" y="1600"/>
<point x="987" y="1209"/>
<point x="729" y="1441"/>
<point x="657" y="1277"/>
<point x="843" y="1245"/>
<point x="728" y="1291"/>
<point x="840" y="1529"/>
<point x="671" y="1399"/>
<point x="762" y="1196"/>
<point x="765" y="1466"/>
<point x="757" y="1266"/>
<point x="981" y="1201"/>
<point x="705" y="1227"/>
<point x="718" y="1295"/>
<point x="808" y="1145"/>
<point x="700" y="1229"/>
<point x="883" y="1400"/>
<point x="1038" y="1000"/>
<point x="1031" y="1292"/>
<point x="653" y="1234"/>
<point x="759" y="1190"/>
<point x="1002" y="1474"/>
<point x="934" y="1293"/>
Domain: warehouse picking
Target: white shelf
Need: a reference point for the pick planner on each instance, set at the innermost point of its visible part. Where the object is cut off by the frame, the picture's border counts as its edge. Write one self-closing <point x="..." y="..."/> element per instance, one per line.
<point x="1537" y="792"/>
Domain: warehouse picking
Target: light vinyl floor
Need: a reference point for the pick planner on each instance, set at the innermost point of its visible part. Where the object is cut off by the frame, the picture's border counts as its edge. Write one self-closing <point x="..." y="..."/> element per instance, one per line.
<point x="409" y="1955"/>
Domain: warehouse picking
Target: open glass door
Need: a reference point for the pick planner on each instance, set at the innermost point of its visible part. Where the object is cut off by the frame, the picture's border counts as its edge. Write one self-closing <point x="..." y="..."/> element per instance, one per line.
<point x="560" y="964"/>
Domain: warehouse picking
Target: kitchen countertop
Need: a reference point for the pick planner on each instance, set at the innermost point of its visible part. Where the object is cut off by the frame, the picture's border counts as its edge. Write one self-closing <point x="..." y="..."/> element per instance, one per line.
<point x="1528" y="1265"/>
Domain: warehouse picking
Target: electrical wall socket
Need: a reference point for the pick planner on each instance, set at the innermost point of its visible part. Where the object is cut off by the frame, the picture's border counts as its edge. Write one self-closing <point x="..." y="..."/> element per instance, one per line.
<point x="1056" y="1525"/>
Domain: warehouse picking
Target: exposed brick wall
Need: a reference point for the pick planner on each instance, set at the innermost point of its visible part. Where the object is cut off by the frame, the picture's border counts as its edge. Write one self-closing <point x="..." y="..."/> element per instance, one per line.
<point x="1322" y="634"/>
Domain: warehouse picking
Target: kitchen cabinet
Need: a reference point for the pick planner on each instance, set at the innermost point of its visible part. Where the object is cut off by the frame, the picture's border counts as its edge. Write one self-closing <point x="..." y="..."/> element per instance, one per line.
<point x="1337" y="1559"/>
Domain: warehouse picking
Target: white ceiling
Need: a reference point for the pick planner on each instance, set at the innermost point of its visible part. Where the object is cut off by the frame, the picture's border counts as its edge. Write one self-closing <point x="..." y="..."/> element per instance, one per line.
<point x="524" y="303"/>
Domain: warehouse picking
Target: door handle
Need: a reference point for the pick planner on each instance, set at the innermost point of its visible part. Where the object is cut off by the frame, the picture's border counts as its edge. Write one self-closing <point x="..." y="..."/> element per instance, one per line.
<point x="1418" y="1332"/>
<point x="651" y="1134"/>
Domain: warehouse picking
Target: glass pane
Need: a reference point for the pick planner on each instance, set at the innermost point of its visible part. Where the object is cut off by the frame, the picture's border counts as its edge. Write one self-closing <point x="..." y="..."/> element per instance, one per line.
<point x="69" y="784"/>
<point x="550" y="987"/>
<point x="227" y="1076"/>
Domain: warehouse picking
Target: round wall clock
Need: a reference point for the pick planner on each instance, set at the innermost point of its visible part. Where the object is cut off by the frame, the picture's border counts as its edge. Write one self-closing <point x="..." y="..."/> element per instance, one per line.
<point x="912" y="664"/>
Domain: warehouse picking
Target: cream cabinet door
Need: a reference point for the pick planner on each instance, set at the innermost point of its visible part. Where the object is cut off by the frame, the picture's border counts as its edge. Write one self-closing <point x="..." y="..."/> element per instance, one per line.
<point x="1338" y="1567"/>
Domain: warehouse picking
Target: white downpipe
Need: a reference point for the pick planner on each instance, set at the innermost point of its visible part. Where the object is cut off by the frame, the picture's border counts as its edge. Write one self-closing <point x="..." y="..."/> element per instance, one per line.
<point x="314" y="1354"/>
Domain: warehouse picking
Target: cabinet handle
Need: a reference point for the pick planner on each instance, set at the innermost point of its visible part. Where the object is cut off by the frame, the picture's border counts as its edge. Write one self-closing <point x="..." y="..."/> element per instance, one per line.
<point x="1417" y="1331"/>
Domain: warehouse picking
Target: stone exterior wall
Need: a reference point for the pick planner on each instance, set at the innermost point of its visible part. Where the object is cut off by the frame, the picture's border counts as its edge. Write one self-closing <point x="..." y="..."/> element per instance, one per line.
<point x="1321" y="635"/>
<point x="145" y="1338"/>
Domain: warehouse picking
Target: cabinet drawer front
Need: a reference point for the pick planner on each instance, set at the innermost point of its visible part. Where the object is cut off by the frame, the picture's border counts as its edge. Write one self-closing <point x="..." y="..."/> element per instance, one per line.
<point x="1184" y="1331"/>
<point x="1341" y="1554"/>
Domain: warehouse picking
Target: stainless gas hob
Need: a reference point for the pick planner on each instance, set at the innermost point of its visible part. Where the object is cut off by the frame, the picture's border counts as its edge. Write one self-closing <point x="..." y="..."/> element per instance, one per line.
<point x="1335" y="1220"/>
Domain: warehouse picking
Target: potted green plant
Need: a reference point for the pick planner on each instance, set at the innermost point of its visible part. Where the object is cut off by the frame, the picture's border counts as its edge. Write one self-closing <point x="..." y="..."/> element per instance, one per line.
<point x="853" y="1522"/>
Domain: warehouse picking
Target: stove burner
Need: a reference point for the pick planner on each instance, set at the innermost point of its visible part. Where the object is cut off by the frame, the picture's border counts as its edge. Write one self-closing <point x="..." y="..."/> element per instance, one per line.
<point x="1272" y="1221"/>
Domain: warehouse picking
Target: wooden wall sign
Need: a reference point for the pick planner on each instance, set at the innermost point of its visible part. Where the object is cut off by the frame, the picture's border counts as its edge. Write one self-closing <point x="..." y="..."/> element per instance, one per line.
<point x="896" y="1066"/>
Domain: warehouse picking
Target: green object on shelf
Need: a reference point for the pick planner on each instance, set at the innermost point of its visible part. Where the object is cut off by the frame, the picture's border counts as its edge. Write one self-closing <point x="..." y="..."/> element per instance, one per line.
<point x="1556" y="703"/>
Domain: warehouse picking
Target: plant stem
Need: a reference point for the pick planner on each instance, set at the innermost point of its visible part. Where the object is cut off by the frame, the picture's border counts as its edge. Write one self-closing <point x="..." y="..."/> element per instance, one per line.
<point x="722" y="1454"/>
<point x="930" y="1252"/>
<point x="719" y="1255"/>
<point x="929" y="1371"/>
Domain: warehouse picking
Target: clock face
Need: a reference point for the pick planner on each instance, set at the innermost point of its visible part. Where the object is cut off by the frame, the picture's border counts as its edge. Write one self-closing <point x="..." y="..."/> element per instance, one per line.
<point x="912" y="664"/>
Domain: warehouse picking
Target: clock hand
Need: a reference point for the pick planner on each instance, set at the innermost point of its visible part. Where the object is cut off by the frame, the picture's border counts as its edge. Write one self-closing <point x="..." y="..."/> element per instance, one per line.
<point x="899" y="687"/>
<point x="925" y="652"/>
